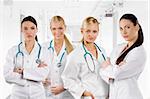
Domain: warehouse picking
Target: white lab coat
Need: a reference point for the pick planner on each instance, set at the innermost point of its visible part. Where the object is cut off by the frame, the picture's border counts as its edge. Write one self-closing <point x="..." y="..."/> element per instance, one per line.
<point x="78" y="78"/>
<point x="55" y="72"/>
<point x="125" y="84"/>
<point x="23" y="88"/>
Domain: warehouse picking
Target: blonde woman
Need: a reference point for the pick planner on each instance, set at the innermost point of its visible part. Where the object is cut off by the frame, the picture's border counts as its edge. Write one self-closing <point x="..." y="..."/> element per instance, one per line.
<point x="80" y="75"/>
<point x="57" y="51"/>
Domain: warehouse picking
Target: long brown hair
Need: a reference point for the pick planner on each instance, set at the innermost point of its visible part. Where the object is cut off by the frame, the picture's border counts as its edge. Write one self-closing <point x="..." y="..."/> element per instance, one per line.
<point x="31" y="19"/>
<point x="139" y="40"/>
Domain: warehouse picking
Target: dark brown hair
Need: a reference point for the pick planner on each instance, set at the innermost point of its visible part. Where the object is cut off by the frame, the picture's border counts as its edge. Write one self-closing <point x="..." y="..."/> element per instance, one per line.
<point x="139" y="40"/>
<point x="31" y="19"/>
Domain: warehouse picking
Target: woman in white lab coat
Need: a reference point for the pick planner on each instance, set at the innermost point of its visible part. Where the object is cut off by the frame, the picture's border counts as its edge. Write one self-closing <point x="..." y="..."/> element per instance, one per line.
<point x="127" y="61"/>
<point x="23" y="64"/>
<point x="57" y="51"/>
<point x="81" y="74"/>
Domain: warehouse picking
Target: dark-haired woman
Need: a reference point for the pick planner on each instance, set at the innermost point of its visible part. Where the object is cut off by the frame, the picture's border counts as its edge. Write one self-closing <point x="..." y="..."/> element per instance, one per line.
<point x="127" y="61"/>
<point x="23" y="64"/>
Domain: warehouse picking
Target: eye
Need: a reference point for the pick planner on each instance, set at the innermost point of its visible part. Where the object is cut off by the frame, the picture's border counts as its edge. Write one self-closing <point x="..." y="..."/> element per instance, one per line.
<point x="128" y="27"/>
<point x="94" y="31"/>
<point x="121" y="29"/>
<point x="88" y="31"/>
<point x="25" y="28"/>
<point x="60" y="28"/>
<point x="53" y="29"/>
<point x="32" y="28"/>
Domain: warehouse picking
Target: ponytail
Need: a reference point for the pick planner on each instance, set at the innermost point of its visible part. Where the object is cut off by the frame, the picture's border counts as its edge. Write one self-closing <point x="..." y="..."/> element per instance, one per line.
<point x="31" y="19"/>
<point x="69" y="47"/>
<point x="139" y="40"/>
<point x="36" y="38"/>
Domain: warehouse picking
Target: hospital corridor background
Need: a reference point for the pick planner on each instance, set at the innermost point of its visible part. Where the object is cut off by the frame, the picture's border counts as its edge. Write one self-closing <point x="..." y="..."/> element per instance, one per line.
<point x="107" y="12"/>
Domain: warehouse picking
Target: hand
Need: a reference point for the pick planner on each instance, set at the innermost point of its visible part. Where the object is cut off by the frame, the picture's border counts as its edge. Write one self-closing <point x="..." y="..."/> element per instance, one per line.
<point x="57" y="89"/>
<point x="106" y="63"/>
<point x="87" y="93"/>
<point x="18" y="70"/>
<point x="42" y="64"/>
<point x="122" y="63"/>
<point x="47" y="82"/>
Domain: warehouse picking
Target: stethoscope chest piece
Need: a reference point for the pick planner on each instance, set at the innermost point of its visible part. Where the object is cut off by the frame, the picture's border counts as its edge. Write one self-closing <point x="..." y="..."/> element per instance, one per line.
<point x="38" y="61"/>
<point x="59" y="64"/>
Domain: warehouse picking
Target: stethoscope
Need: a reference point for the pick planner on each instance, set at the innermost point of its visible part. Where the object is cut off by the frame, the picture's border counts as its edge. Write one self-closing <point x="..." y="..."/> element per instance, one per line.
<point x="38" y="61"/>
<point x="59" y="64"/>
<point x="89" y="54"/>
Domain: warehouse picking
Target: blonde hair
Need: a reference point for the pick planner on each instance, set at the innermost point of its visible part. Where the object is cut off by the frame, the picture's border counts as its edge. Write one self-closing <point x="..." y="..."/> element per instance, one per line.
<point x="69" y="46"/>
<point x="89" y="21"/>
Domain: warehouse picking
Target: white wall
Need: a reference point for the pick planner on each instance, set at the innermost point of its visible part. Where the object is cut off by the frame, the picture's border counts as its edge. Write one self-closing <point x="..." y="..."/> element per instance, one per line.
<point x="11" y="28"/>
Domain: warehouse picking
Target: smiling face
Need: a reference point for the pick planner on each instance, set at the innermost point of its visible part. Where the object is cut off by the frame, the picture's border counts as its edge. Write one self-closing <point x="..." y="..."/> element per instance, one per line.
<point x="128" y="30"/>
<point x="29" y="30"/>
<point x="90" y="32"/>
<point x="58" y="29"/>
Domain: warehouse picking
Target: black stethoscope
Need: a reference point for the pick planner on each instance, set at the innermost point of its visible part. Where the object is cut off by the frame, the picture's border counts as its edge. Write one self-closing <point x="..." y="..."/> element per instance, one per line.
<point x="89" y="65"/>
<point x="38" y="61"/>
<point x="59" y="64"/>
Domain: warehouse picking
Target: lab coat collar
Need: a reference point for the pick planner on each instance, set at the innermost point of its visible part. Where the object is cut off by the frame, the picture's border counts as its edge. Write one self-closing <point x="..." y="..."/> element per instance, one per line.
<point x="36" y="47"/>
<point x="63" y="49"/>
<point x="90" y="52"/>
<point x="99" y="54"/>
<point x="121" y="48"/>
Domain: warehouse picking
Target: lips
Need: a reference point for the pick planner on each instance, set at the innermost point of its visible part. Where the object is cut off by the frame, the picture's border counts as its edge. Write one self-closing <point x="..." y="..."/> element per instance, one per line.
<point x="125" y="36"/>
<point x="90" y="38"/>
<point x="29" y="36"/>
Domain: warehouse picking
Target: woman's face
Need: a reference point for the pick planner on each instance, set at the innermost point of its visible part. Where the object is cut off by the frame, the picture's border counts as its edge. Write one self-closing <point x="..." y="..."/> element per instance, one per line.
<point x="58" y="30"/>
<point x="29" y="30"/>
<point x="90" y="32"/>
<point x="128" y="31"/>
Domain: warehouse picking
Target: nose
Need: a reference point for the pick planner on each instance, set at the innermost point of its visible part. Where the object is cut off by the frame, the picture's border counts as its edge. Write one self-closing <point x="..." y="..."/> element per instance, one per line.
<point x="90" y="33"/>
<point x="58" y="32"/>
<point x="29" y="31"/>
<point x="124" y="31"/>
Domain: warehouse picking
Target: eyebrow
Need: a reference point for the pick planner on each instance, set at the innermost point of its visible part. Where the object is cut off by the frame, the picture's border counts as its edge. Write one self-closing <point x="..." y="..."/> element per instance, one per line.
<point x="126" y="25"/>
